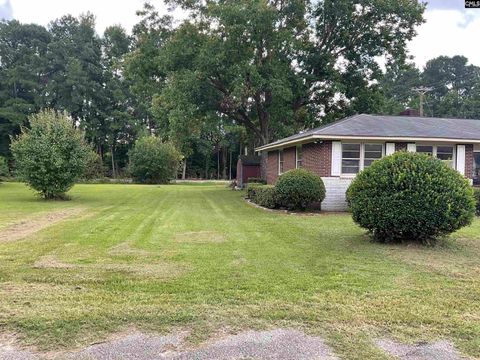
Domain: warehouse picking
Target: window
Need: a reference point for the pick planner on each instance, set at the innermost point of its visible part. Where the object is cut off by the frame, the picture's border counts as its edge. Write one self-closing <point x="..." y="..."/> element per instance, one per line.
<point x="280" y="161"/>
<point x="350" y="158"/>
<point x="445" y="153"/>
<point x="299" y="156"/>
<point x="442" y="152"/>
<point x="372" y="152"/>
<point x="425" y="149"/>
<point x="356" y="157"/>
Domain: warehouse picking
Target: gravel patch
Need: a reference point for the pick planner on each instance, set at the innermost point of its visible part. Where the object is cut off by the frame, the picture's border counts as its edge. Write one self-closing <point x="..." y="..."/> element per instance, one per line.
<point x="274" y="344"/>
<point x="136" y="346"/>
<point x="11" y="353"/>
<point x="440" y="350"/>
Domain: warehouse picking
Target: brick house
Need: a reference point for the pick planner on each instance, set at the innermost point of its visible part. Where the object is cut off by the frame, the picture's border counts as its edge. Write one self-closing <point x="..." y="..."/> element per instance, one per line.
<point x="338" y="151"/>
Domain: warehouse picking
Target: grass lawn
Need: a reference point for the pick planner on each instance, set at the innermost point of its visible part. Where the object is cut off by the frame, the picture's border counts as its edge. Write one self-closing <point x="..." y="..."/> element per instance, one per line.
<point x="196" y="256"/>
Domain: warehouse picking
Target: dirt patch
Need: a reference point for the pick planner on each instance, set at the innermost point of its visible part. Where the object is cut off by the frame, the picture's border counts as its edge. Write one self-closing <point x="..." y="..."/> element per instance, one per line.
<point x="161" y="270"/>
<point x="126" y="249"/>
<point x="28" y="227"/>
<point x="9" y="350"/>
<point x="50" y="262"/>
<point x="441" y="261"/>
<point x="239" y="262"/>
<point x="200" y="237"/>
<point x="440" y="350"/>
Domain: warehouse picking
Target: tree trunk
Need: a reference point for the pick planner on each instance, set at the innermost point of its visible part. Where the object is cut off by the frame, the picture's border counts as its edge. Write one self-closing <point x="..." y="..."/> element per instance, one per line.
<point x="184" y="169"/>
<point x="218" y="163"/>
<point x="206" y="167"/>
<point x="263" y="155"/>
<point x="113" y="163"/>
<point x="230" y="167"/>
<point x="224" y="163"/>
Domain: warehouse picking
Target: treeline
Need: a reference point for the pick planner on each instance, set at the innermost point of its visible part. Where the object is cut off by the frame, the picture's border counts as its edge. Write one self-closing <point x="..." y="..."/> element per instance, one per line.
<point x="453" y="88"/>
<point x="106" y="84"/>
<point x="232" y="76"/>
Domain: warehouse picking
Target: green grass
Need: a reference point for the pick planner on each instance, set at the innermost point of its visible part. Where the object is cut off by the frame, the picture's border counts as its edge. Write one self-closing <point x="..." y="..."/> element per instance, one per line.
<point x="198" y="257"/>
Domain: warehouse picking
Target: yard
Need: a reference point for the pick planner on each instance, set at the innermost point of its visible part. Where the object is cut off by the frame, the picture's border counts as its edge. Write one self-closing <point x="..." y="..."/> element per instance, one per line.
<point x="198" y="257"/>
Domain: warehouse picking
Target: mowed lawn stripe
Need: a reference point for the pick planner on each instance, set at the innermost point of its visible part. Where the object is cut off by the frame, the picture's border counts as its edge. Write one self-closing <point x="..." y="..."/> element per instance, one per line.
<point x="199" y="257"/>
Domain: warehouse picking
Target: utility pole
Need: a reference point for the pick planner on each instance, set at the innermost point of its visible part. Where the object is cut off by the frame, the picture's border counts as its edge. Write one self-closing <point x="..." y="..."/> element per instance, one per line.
<point x="422" y="90"/>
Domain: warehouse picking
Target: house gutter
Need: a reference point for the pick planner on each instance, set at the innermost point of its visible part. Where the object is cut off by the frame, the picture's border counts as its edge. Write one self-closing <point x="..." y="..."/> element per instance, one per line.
<point x="311" y="138"/>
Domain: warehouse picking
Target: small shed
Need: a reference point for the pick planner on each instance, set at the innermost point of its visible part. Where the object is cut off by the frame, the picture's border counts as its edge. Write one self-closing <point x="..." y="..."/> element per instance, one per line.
<point x="248" y="166"/>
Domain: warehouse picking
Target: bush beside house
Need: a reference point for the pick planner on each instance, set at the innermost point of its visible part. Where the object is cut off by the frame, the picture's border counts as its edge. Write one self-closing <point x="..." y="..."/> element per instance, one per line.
<point x="263" y="195"/>
<point x="298" y="189"/>
<point x="295" y="190"/>
<point x="410" y="197"/>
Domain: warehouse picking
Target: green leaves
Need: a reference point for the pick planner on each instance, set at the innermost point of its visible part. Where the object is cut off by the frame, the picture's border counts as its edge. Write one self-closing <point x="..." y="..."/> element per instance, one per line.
<point x="410" y="197"/>
<point x="154" y="162"/>
<point x="50" y="155"/>
<point x="298" y="189"/>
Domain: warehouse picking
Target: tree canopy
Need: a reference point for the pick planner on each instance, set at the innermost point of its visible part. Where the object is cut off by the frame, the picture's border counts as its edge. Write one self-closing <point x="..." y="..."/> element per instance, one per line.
<point x="231" y="75"/>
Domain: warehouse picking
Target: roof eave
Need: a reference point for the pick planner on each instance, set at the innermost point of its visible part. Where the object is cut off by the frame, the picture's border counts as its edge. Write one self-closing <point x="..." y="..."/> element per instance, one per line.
<point x="314" y="137"/>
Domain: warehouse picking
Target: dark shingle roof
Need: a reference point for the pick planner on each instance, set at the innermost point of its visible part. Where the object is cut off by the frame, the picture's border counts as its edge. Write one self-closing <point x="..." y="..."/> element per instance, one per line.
<point x="394" y="127"/>
<point x="250" y="159"/>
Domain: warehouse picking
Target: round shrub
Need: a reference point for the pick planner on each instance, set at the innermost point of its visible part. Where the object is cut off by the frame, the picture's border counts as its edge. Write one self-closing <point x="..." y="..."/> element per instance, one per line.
<point x="410" y="197"/>
<point x="153" y="161"/>
<point x="51" y="155"/>
<point x="298" y="189"/>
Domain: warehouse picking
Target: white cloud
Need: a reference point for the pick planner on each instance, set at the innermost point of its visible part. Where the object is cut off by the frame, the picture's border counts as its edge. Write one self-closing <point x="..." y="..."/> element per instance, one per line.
<point x="5" y="10"/>
<point x="107" y="12"/>
<point x="449" y="29"/>
<point x="447" y="32"/>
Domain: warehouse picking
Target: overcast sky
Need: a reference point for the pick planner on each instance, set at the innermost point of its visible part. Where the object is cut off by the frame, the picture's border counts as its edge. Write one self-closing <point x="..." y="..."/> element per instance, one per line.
<point x="450" y="29"/>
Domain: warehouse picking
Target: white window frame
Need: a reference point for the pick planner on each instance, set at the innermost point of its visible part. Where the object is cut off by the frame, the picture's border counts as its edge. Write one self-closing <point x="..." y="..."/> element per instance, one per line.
<point x="282" y="162"/>
<point x="296" y="156"/>
<point x="434" y="152"/>
<point x="362" y="156"/>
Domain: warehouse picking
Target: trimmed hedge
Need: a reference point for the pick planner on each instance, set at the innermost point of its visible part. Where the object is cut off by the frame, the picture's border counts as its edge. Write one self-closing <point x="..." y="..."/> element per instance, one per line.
<point x="263" y="195"/>
<point x="251" y="190"/>
<point x="256" y="180"/>
<point x="476" y="195"/>
<point x="410" y="196"/>
<point x="266" y="196"/>
<point x="298" y="189"/>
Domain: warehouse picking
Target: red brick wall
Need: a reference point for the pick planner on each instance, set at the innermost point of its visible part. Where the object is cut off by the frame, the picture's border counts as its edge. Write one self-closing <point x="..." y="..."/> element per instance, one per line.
<point x="272" y="167"/>
<point x="401" y="146"/>
<point x="469" y="161"/>
<point x="318" y="157"/>
<point x="289" y="158"/>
